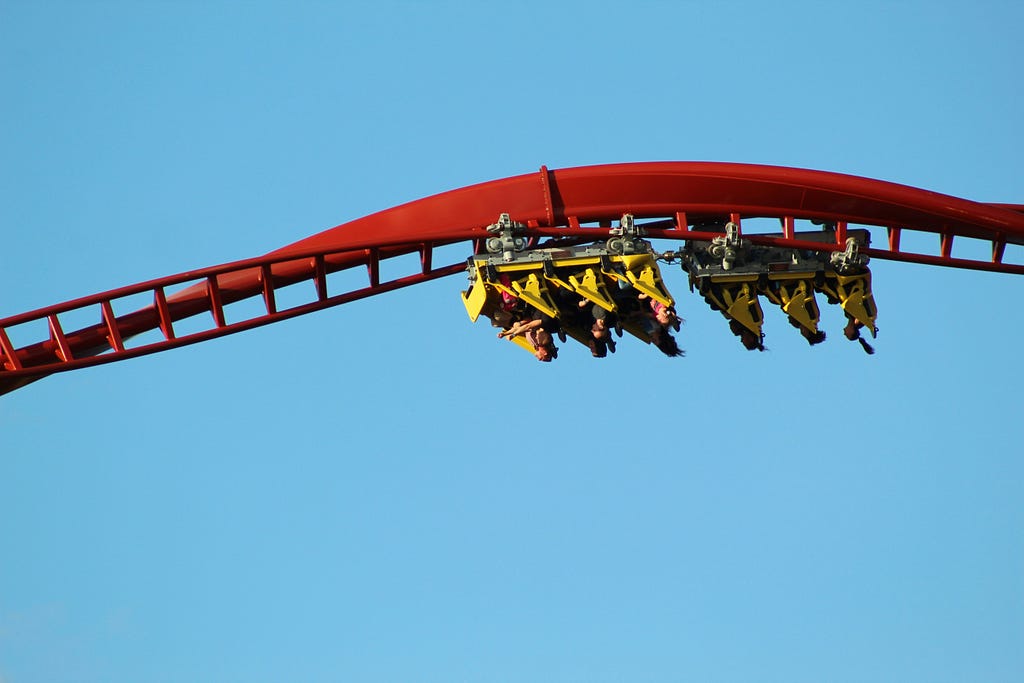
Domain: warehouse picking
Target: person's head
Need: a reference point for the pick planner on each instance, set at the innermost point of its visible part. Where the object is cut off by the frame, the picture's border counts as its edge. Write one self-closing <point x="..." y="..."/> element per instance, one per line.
<point x="666" y="316"/>
<point x="544" y="348"/>
<point x="750" y="340"/>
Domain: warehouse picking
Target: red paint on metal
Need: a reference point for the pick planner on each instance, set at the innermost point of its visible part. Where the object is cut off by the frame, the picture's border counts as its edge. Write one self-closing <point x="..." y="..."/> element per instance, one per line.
<point x="545" y="179"/>
<point x="57" y="336"/>
<point x="946" y="245"/>
<point x="216" y="305"/>
<point x="948" y="262"/>
<point x="373" y="267"/>
<point x="674" y="194"/>
<point x="681" y="222"/>
<point x="164" y="313"/>
<point x="12" y="362"/>
<point x="841" y="233"/>
<point x="320" y="276"/>
<point x="266" y="278"/>
<point x="894" y="239"/>
<point x="788" y="227"/>
<point x="426" y="258"/>
<point x="998" y="249"/>
<point x="113" y="332"/>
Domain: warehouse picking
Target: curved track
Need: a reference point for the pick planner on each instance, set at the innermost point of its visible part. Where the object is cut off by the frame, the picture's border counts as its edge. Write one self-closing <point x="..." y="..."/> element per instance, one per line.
<point x="672" y="200"/>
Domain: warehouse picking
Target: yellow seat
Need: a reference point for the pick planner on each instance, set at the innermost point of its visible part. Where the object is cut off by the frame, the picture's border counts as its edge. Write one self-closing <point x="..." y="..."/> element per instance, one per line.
<point x="642" y="272"/>
<point x="796" y="297"/>
<point x="737" y="300"/>
<point x="521" y="341"/>
<point x="853" y="293"/>
<point x="475" y="299"/>
<point x="534" y="292"/>
<point x="591" y="287"/>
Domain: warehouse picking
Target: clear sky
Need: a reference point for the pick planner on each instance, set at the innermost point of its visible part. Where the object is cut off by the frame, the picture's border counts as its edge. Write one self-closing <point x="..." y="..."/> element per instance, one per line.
<point x="382" y="491"/>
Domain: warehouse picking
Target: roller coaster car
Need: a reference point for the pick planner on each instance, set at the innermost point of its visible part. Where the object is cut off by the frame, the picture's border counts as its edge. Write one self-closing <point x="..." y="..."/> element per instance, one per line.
<point x="553" y="279"/>
<point x="730" y="272"/>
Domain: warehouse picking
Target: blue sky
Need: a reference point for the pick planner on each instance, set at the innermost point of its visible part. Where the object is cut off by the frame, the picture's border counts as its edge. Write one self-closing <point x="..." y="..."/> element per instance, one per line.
<point x="382" y="492"/>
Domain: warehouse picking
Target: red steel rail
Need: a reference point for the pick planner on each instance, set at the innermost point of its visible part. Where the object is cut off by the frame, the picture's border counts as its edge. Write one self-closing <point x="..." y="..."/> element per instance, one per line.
<point x="674" y="198"/>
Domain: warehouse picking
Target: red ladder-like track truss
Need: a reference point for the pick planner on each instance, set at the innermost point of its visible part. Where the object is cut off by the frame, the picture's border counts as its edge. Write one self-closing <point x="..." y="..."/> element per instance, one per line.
<point x="673" y="199"/>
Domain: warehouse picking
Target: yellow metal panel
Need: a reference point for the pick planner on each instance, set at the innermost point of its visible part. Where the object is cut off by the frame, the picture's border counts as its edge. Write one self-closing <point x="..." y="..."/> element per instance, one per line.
<point x="476" y="299"/>
<point x="791" y="274"/>
<point x="592" y="288"/>
<point x="576" y="261"/>
<point x="746" y="309"/>
<point x="796" y="297"/>
<point x="634" y="261"/>
<point x="625" y="262"/>
<point x="859" y="301"/>
<point x="517" y="268"/>
<point x="532" y="291"/>
<point x="801" y="305"/>
<point x="738" y="301"/>
<point x="854" y="295"/>
<point x="642" y="272"/>
<point x="522" y="342"/>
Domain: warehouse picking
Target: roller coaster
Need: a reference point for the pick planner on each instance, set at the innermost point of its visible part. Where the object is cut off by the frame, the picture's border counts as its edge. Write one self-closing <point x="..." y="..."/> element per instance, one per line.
<point x="568" y="252"/>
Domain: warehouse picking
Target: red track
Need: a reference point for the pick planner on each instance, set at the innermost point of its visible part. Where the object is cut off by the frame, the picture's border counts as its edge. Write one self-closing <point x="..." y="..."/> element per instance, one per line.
<point x="675" y="195"/>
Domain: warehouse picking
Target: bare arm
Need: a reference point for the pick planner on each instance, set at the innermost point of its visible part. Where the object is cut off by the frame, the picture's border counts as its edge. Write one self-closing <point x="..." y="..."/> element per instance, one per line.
<point x="520" y="327"/>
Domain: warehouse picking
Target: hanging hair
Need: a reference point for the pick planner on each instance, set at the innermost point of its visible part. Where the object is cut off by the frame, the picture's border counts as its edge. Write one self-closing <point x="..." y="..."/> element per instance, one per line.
<point x="667" y="344"/>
